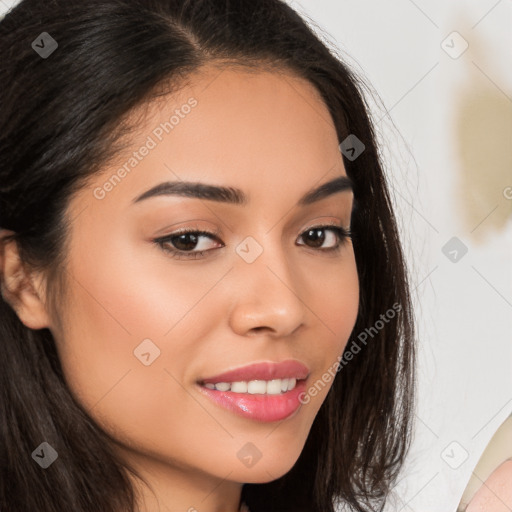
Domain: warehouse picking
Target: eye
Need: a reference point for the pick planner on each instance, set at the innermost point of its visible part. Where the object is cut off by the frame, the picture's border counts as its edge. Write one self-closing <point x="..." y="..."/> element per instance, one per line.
<point x="338" y="235"/>
<point x="181" y="243"/>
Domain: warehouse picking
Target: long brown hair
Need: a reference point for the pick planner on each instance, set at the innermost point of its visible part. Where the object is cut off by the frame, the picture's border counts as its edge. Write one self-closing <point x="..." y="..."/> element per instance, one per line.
<point x="60" y="122"/>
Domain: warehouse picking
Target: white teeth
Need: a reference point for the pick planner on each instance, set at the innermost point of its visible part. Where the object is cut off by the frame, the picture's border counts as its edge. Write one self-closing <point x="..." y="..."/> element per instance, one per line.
<point x="239" y="387"/>
<point x="274" y="387"/>
<point x="254" y="387"/>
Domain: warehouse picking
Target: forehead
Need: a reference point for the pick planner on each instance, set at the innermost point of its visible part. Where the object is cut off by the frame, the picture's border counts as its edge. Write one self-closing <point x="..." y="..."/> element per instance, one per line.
<point x="257" y="130"/>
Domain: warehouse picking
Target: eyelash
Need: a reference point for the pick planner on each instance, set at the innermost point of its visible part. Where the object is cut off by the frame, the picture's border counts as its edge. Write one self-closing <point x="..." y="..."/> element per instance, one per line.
<point x="163" y="242"/>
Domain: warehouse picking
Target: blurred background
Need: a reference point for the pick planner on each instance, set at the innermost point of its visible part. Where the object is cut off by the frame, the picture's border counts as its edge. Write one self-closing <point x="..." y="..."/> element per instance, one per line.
<point x="440" y="90"/>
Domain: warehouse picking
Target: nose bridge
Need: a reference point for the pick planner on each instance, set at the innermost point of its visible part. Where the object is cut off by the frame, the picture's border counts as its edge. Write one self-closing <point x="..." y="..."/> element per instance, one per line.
<point x="268" y="294"/>
<point x="262" y="256"/>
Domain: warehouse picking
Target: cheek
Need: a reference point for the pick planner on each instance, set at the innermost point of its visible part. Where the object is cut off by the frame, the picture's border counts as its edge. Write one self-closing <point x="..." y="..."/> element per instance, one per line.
<point x="136" y="303"/>
<point x="341" y="302"/>
<point x="335" y="301"/>
<point x="335" y="304"/>
<point x="115" y="307"/>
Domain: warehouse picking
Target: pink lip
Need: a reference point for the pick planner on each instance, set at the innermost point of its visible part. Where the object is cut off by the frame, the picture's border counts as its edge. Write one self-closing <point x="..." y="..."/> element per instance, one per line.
<point x="260" y="407"/>
<point x="262" y="371"/>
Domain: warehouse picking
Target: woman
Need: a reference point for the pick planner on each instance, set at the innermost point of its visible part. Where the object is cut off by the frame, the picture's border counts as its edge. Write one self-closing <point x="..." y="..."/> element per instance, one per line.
<point x="205" y="304"/>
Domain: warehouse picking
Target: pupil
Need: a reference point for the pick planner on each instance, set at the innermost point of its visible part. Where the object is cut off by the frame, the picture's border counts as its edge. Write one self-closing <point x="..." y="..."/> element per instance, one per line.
<point x="317" y="239"/>
<point x="183" y="237"/>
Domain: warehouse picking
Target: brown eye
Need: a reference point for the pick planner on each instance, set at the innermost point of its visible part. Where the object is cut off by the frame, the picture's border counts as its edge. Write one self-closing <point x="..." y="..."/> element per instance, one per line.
<point x="182" y="244"/>
<point x="185" y="242"/>
<point x="318" y="237"/>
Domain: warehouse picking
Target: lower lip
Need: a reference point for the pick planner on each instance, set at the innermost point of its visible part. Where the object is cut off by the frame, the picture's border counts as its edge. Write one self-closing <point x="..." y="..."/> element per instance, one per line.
<point x="259" y="407"/>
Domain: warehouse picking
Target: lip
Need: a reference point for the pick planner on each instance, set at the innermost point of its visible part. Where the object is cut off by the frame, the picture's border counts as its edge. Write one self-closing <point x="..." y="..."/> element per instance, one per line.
<point x="259" y="407"/>
<point x="268" y="370"/>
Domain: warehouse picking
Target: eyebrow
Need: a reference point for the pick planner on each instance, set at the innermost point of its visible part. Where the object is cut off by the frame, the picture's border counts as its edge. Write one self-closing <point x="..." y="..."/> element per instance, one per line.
<point x="231" y="195"/>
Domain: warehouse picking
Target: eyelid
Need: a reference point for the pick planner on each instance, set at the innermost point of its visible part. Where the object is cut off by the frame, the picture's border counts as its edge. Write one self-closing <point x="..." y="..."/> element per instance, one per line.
<point x="216" y="233"/>
<point x="324" y="223"/>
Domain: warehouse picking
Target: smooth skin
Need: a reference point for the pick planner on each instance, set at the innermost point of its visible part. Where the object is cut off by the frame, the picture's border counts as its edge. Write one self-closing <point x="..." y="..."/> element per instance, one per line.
<point x="490" y="486"/>
<point x="271" y="135"/>
<point x="495" y="494"/>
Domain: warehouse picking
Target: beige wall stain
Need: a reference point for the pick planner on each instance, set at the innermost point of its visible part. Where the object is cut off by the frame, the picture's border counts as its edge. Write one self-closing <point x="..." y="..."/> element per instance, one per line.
<point x="483" y="132"/>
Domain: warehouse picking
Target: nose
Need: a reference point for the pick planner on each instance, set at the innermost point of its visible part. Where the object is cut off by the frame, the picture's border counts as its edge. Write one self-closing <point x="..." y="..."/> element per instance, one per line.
<point x="266" y="295"/>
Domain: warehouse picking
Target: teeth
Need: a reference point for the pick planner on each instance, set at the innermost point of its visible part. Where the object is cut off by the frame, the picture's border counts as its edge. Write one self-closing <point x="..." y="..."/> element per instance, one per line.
<point x="272" y="387"/>
<point x="254" y="387"/>
<point x="239" y="387"/>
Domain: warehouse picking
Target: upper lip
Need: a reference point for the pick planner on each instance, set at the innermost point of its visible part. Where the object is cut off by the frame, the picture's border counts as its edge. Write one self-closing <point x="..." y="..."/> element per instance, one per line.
<point x="290" y="368"/>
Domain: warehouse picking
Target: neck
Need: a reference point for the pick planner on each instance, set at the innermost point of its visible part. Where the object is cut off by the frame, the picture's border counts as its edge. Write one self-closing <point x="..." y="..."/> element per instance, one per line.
<point x="182" y="489"/>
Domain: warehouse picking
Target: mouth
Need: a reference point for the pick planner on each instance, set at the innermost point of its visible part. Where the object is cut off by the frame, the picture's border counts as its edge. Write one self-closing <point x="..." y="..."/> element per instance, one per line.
<point x="263" y="391"/>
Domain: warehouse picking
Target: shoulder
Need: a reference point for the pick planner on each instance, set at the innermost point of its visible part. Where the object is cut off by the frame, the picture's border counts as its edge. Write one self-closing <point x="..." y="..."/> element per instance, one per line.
<point x="495" y="494"/>
<point x="490" y="486"/>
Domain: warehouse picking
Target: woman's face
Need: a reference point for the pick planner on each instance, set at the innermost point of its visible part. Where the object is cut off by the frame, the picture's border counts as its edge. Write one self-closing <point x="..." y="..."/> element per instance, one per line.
<point x="142" y="327"/>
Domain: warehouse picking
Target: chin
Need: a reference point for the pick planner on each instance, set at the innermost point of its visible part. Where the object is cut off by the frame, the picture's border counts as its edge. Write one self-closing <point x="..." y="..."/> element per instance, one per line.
<point x="268" y="469"/>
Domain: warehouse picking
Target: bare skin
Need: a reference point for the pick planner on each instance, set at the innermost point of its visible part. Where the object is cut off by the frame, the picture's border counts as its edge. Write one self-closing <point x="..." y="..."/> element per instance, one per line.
<point x="271" y="136"/>
<point x="490" y="486"/>
<point x="495" y="495"/>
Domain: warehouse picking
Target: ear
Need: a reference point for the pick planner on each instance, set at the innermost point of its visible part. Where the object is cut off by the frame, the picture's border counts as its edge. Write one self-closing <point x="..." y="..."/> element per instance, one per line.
<point x="21" y="288"/>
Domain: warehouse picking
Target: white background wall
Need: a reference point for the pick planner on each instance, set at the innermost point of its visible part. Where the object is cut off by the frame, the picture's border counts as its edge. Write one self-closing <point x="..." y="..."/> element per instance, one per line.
<point x="448" y="138"/>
